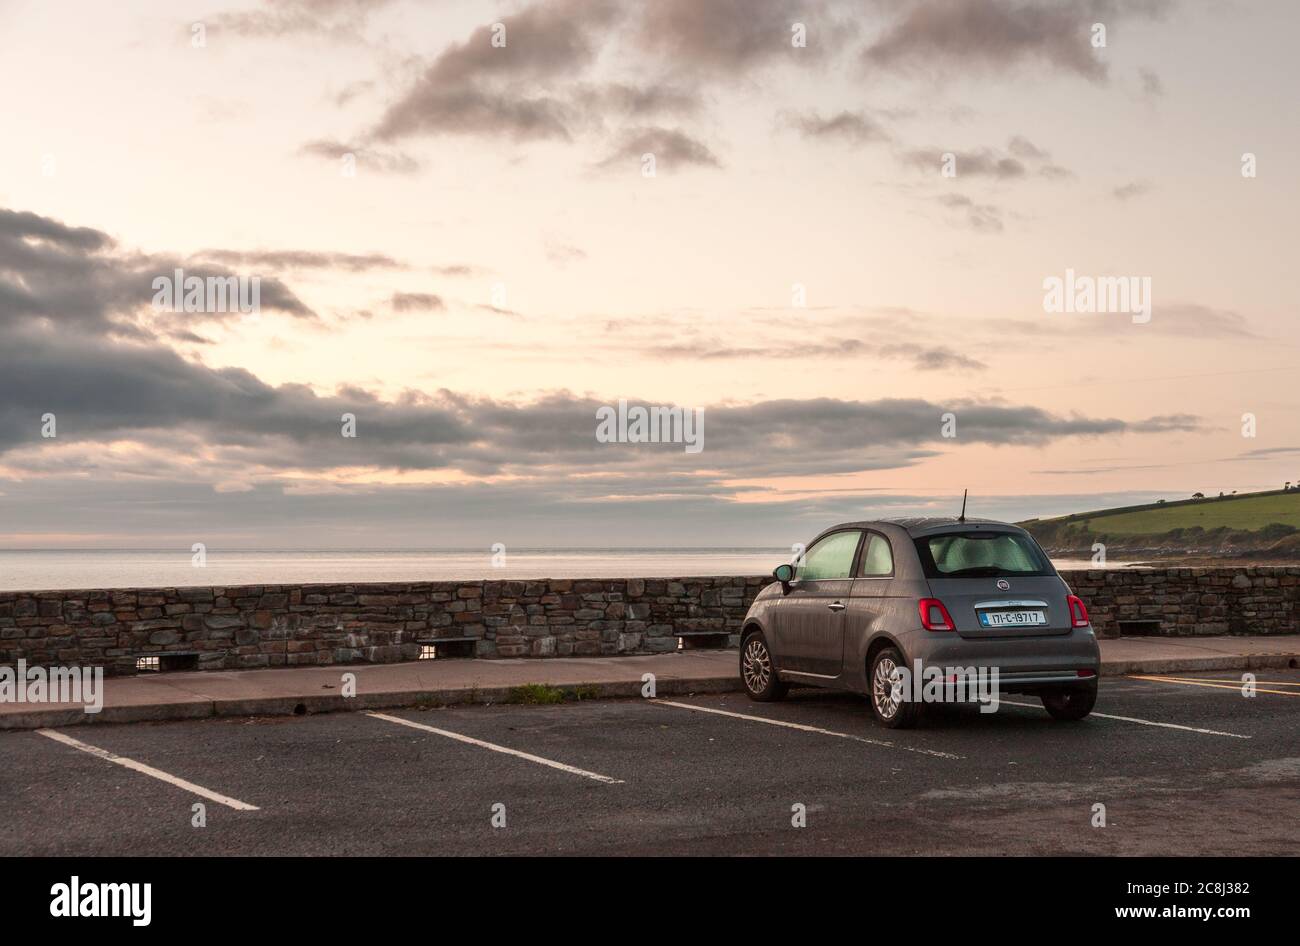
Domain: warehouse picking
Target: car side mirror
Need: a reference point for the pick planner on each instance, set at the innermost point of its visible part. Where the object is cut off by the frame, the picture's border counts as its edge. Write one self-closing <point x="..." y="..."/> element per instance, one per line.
<point x="784" y="574"/>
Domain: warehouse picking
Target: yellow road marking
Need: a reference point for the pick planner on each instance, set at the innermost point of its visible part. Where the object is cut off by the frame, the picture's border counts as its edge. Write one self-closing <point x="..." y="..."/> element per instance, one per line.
<point x="1215" y="686"/>
<point x="1267" y="683"/>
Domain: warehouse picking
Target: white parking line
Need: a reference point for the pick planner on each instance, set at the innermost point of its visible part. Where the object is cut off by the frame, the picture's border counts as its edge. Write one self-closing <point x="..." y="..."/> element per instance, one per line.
<point x="149" y="770"/>
<point x="816" y="729"/>
<point x="1144" y="722"/>
<point x="495" y="748"/>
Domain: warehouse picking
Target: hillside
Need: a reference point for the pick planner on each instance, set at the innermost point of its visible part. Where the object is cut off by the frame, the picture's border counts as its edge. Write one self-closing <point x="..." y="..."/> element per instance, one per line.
<point x="1257" y="525"/>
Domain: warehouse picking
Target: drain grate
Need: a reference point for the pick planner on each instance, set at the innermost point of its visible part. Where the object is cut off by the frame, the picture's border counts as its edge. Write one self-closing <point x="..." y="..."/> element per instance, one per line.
<point x="166" y="663"/>
<point x="1139" y="629"/>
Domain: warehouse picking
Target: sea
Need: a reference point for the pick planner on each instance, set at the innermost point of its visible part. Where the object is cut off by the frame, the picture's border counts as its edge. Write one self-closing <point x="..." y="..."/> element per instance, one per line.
<point x="64" y="569"/>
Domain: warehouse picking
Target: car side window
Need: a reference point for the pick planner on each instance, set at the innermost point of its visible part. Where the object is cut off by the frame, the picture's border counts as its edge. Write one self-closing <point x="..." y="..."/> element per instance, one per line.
<point x="877" y="558"/>
<point x="830" y="558"/>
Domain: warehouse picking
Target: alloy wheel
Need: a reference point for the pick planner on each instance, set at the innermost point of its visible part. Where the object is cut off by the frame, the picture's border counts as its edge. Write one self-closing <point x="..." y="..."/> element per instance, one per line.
<point x="757" y="666"/>
<point x="886" y="688"/>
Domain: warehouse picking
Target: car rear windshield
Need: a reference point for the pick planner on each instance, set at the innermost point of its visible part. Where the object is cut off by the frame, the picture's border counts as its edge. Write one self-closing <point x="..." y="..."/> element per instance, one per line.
<point x="981" y="555"/>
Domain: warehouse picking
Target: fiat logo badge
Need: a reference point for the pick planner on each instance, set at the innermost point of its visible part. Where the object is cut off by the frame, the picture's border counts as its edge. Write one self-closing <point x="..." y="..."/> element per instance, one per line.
<point x="1004" y="585"/>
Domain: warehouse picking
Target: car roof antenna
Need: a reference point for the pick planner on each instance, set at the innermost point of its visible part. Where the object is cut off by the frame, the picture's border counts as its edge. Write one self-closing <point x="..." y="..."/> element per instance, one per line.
<point x="962" y="517"/>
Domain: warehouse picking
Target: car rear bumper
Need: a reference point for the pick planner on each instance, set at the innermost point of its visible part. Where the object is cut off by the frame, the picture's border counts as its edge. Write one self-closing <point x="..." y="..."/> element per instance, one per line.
<point x="1023" y="664"/>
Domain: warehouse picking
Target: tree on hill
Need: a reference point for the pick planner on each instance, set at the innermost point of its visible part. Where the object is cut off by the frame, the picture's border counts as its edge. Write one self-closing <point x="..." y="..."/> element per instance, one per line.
<point x="1198" y="495"/>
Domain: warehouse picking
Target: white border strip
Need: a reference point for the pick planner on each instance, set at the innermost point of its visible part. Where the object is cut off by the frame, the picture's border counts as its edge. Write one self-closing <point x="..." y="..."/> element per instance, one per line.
<point x="816" y="729"/>
<point x="1143" y="722"/>
<point x="495" y="748"/>
<point x="149" y="770"/>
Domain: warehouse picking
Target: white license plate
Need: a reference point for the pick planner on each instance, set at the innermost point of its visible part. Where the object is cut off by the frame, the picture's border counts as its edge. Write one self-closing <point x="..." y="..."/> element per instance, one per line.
<point x="1012" y="618"/>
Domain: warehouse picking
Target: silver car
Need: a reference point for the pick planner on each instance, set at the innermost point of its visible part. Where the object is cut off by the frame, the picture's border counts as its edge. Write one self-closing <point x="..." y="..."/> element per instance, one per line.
<point x="870" y="605"/>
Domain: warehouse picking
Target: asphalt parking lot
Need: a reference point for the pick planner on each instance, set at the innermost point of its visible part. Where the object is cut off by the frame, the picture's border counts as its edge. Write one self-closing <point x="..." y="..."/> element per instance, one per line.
<point x="1183" y="764"/>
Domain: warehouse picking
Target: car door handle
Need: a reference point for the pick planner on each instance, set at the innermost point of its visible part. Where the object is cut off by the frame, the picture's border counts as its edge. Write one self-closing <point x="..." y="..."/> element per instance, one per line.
<point x="836" y="606"/>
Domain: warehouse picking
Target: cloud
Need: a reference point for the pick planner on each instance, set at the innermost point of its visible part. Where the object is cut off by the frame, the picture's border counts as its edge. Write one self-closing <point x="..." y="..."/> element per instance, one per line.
<point x="336" y="19"/>
<point x="1022" y="147"/>
<point x="730" y="36"/>
<point x="923" y="357"/>
<point x="78" y="278"/>
<point x="1001" y="35"/>
<point x="366" y="157"/>
<point x="1151" y="84"/>
<point x="1190" y="320"/>
<point x="562" y="253"/>
<point x="302" y="259"/>
<point x="983" y="218"/>
<point x="638" y="101"/>
<point x="482" y="87"/>
<point x="851" y="127"/>
<point x="671" y="147"/>
<point x="416" y="302"/>
<point x="132" y="410"/>
<point x="1132" y="189"/>
<point x="933" y="357"/>
<point x="984" y="162"/>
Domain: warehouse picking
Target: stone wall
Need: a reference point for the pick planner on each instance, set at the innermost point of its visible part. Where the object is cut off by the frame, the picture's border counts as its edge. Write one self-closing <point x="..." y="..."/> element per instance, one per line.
<point x="289" y="625"/>
<point x="1184" y="601"/>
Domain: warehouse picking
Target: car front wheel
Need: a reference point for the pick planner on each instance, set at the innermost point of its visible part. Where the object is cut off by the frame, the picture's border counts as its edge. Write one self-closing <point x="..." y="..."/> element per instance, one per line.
<point x="1072" y="704"/>
<point x="758" y="671"/>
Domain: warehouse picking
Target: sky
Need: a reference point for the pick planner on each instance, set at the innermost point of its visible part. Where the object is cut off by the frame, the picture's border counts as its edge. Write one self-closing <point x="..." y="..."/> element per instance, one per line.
<point x="841" y="257"/>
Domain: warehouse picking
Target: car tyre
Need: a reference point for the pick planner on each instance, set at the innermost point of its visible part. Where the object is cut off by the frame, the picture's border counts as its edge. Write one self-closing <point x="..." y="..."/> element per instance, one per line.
<point x="758" y="670"/>
<point x="1071" y="704"/>
<point x="886" y="696"/>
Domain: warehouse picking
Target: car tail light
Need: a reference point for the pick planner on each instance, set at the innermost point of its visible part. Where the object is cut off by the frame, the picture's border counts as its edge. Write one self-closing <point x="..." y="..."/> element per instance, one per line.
<point x="1078" y="611"/>
<point x="1085" y="673"/>
<point x="934" y="616"/>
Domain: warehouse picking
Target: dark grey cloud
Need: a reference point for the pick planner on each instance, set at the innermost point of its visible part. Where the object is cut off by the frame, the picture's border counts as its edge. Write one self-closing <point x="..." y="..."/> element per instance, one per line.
<point x="79" y="278"/>
<point x="671" y="147"/>
<point x="149" y="393"/>
<point x="1001" y="35"/>
<point x="225" y="429"/>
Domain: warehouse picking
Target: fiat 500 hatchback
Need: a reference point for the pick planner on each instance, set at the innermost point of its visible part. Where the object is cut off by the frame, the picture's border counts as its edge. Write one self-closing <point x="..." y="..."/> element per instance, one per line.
<point x="871" y="604"/>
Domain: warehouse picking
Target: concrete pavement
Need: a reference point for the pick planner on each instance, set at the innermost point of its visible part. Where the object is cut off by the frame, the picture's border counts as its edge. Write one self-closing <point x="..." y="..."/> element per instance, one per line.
<point x="1186" y="766"/>
<point x="299" y="691"/>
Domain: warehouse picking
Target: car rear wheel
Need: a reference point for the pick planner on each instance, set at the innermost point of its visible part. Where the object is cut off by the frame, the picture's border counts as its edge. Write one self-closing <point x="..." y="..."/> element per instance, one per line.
<point x="1071" y="704"/>
<point x="888" y="699"/>
<point x="758" y="671"/>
